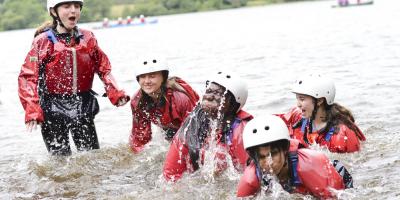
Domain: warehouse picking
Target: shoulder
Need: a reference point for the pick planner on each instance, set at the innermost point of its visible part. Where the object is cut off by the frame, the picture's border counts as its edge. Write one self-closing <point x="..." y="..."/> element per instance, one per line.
<point x="136" y="98"/>
<point x="244" y="116"/>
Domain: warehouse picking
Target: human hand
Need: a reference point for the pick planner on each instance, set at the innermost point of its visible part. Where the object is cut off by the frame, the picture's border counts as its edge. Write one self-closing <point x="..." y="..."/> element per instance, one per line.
<point x="32" y="125"/>
<point x="122" y="101"/>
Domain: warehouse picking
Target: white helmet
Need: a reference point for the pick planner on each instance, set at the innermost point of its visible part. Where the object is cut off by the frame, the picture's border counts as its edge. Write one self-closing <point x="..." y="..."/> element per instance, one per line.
<point x="264" y="129"/>
<point x="151" y="64"/>
<point x="234" y="84"/>
<point x="316" y="86"/>
<point x="53" y="3"/>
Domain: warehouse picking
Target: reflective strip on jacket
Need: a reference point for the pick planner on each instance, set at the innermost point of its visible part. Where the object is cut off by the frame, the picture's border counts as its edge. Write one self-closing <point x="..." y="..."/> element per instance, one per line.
<point x="176" y="108"/>
<point x="316" y="174"/>
<point x="344" y="140"/>
<point x="59" y="61"/>
<point x="178" y="159"/>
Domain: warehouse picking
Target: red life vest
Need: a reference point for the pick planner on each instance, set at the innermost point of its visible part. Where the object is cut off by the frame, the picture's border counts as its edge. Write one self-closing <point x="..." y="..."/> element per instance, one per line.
<point x="68" y="68"/>
<point x="170" y="115"/>
<point x="340" y="139"/>
<point x="178" y="159"/>
<point x="313" y="174"/>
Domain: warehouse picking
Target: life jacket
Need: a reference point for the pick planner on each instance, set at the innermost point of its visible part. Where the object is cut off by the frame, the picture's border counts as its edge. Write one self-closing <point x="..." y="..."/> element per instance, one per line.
<point x="340" y="139"/>
<point x="310" y="173"/>
<point x="181" y="158"/>
<point x="68" y="68"/>
<point x="168" y="114"/>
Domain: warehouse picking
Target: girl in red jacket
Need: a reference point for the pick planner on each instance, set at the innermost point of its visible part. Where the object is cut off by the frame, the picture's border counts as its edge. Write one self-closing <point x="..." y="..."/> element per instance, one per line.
<point x="160" y="100"/>
<point x="221" y="111"/>
<point x="56" y="79"/>
<point x="277" y="160"/>
<point x="317" y="119"/>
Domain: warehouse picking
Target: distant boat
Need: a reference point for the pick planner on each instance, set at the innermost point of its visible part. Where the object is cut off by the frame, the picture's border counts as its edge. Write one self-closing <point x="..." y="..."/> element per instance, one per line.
<point x="354" y="4"/>
<point x="133" y="23"/>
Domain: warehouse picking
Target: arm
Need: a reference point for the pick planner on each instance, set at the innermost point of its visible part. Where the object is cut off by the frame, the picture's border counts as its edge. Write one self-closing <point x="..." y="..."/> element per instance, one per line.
<point x="28" y="86"/>
<point x="345" y="141"/>
<point x="175" y="161"/>
<point x="141" y="129"/>
<point x="104" y="72"/>
<point x="248" y="184"/>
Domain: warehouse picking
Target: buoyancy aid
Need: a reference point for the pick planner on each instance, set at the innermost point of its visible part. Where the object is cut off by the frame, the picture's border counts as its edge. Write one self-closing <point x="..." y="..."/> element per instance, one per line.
<point x="179" y="158"/>
<point x="340" y="139"/>
<point x="168" y="114"/>
<point x="310" y="173"/>
<point x="69" y="68"/>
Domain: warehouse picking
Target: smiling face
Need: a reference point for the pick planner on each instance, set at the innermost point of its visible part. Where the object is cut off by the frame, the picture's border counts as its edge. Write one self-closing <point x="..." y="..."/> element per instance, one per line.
<point x="212" y="99"/>
<point x="151" y="83"/>
<point x="69" y="14"/>
<point x="306" y="105"/>
<point x="271" y="160"/>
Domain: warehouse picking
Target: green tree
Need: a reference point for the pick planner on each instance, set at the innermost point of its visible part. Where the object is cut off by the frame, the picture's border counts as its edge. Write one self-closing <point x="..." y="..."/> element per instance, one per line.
<point x="95" y="10"/>
<point x="21" y="14"/>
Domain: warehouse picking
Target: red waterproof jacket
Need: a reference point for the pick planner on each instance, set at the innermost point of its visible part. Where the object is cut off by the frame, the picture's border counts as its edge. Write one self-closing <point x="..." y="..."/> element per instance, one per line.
<point x="340" y="139"/>
<point x="68" y="69"/>
<point x="315" y="173"/>
<point x="177" y="106"/>
<point x="178" y="160"/>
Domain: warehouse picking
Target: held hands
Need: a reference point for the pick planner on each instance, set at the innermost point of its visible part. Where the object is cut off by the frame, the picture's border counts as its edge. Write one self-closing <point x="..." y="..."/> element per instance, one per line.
<point x="32" y="125"/>
<point x="122" y="101"/>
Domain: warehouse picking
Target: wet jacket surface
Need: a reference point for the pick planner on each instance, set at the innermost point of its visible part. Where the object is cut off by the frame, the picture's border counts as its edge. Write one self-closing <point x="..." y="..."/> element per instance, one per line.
<point x="68" y="68"/>
<point x="342" y="140"/>
<point x="178" y="159"/>
<point x="169" y="116"/>
<point x="316" y="175"/>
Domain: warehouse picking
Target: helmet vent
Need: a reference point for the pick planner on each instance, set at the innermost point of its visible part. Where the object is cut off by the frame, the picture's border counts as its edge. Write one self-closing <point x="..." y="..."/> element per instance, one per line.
<point x="300" y="82"/>
<point x="266" y="128"/>
<point x="254" y="130"/>
<point x="145" y="63"/>
<point x="228" y="76"/>
<point x="219" y="72"/>
<point x="154" y="61"/>
<point x="316" y="94"/>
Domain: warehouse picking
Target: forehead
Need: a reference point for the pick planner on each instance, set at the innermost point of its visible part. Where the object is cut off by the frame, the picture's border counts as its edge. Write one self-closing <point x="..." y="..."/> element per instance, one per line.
<point x="303" y="96"/>
<point x="215" y="86"/>
<point x="158" y="73"/>
<point x="264" y="150"/>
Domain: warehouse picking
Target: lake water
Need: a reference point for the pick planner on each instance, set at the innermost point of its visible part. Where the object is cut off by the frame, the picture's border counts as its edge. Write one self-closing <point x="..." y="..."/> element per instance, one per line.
<point x="269" y="46"/>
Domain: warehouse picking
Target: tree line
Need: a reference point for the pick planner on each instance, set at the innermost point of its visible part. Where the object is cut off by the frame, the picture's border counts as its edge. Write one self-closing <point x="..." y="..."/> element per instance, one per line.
<point x="22" y="14"/>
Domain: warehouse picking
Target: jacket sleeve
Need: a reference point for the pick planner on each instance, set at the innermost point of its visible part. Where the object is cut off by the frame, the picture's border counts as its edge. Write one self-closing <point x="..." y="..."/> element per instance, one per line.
<point x="317" y="174"/>
<point x="345" y="141"/>
<point x="238" y="153"/>
<point x="175" y="163"/>
<point x="182" y="105"/>
<point x="291" y="117"/>
<point x="104" y="72"/>
<point x="28" y="85"/>
<point x="141" y="129"/>
<point x="248" y="184"/>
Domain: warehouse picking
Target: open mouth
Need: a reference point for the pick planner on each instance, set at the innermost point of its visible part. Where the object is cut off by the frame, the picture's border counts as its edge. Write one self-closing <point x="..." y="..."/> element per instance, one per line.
<point x="72" y="19"/>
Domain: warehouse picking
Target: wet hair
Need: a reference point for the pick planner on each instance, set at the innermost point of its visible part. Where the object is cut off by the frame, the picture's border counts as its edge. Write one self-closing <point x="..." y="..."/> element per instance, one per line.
<point x="45" y="26"/>
<point x="336" y="114"/>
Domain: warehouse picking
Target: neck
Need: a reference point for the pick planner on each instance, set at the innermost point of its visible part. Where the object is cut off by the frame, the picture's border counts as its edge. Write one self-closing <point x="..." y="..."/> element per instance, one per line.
<point x="320" y="118"/>
<point x="284" y="173"/>
<point x="155" y="95"/>
<point x="61" y="29"/>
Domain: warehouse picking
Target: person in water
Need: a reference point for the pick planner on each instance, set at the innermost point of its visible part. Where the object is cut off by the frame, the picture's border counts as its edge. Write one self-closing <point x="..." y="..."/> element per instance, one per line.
<point x="56" y="78"/>
<point x="221" y="111"/>
<point x="161" y="100"/>
<point x="276" y="159"/>
<point x="318" y="119"/>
